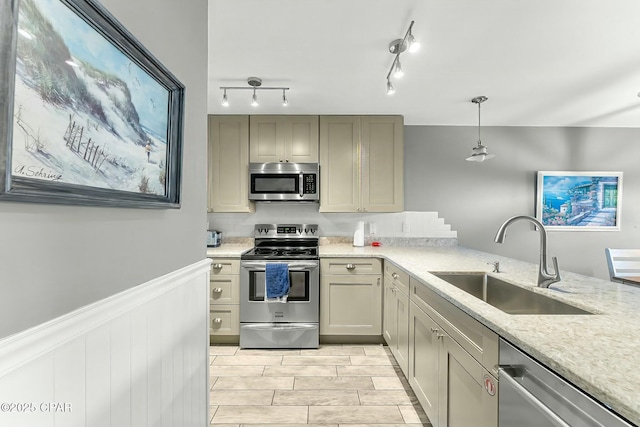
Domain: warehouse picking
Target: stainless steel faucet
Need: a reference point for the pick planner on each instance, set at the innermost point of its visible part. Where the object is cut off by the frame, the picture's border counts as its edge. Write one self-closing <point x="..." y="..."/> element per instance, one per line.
<point x="544" y="277"/>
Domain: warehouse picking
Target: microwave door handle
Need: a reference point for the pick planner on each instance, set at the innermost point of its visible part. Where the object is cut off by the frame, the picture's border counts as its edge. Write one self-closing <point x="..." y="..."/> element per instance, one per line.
<point x="301" y="184"/>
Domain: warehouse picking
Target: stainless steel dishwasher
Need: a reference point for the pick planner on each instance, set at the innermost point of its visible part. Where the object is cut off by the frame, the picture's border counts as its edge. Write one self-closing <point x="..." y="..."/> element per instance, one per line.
<point x="533" y="396"/>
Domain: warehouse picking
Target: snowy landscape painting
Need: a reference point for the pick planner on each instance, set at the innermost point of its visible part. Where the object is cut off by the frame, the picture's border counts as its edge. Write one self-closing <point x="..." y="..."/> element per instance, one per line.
<point x="582" y="201"/>
<point x="87" y="114"/>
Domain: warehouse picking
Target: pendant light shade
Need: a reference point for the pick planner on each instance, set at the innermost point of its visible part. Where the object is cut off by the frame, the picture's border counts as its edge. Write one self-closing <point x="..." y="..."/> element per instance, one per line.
<point x="479" y="153"/>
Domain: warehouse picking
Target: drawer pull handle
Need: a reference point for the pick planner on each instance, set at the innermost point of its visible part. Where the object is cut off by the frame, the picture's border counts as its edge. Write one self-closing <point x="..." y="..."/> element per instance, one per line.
<point x="395" y="275"/>
<point x="439" y="336"/>
<point x="217" y="266"/>
<point x="217" y="320"/>
<point x="351" y="267"/>
<point x="217" y="290"/>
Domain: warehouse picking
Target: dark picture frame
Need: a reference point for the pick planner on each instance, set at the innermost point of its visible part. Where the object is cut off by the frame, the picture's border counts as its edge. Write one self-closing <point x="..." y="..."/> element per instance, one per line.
<point x="88" y="116"/>
<point x="579" y="201"/>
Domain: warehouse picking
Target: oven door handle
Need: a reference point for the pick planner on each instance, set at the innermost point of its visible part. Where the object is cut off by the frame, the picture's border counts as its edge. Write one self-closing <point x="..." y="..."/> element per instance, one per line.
<point x="293" y="265"/>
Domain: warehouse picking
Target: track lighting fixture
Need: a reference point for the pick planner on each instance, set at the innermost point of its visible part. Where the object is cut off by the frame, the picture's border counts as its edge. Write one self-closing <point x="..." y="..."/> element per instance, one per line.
<point x="479" y="152"/>
<point x="255" y="84"/>
<point x="396" y="47"/>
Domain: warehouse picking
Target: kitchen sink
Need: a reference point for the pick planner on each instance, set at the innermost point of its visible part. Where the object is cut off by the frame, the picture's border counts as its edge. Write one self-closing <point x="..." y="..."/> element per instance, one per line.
<point x="505" y="296"/>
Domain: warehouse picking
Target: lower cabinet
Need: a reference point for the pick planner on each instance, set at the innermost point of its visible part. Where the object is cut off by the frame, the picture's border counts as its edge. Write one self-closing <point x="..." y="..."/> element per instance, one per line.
<point x="350" y="297"/>
<point x="224" y="301"/>
<point x="454" y="388"/>
<point x="395" y="326"/>
<point x="424" y="361"/>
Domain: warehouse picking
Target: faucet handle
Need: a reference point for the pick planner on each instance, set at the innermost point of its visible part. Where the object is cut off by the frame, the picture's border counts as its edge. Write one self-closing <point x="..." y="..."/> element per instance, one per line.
<point x="556" y="270"/>
<point x="496" y="266"/>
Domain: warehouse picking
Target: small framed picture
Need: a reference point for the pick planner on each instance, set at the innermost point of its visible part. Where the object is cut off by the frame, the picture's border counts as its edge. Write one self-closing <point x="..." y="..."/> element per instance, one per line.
<point x="579" y="201"/>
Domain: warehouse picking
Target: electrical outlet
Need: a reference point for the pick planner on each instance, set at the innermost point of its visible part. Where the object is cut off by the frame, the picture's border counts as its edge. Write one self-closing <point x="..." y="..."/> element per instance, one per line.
<point x="405" y="227"/>
<point x="372" y="228"/>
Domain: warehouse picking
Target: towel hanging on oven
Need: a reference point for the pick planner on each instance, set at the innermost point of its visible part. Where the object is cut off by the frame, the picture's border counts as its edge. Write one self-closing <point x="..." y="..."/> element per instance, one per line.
<point x="276" y="281"/>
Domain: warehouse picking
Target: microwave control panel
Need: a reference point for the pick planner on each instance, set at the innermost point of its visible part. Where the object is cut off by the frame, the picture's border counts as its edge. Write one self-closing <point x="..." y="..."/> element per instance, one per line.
<point x="309" y="183"/>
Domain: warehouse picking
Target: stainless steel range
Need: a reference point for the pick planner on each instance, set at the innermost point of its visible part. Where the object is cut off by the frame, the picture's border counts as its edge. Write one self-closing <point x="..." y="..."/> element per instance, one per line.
<point x="275" y="324"/>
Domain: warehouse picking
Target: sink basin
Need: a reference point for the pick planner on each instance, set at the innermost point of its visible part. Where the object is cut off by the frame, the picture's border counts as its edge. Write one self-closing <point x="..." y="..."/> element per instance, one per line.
<point x="505" y="296"/>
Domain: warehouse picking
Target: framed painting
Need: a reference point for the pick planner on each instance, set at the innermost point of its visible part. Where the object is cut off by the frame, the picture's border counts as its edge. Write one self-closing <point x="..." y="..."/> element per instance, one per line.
<point x="579" y="201"/>
<point x="87" y="115"/>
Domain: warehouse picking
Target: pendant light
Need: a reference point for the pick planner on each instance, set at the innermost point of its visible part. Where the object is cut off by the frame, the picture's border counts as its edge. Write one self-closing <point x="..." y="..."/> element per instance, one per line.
<point x="479" y="152"/>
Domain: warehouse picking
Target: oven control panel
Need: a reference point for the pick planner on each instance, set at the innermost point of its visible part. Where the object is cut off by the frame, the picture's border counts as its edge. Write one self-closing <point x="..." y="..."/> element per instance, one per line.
<point x="286" y="230"/>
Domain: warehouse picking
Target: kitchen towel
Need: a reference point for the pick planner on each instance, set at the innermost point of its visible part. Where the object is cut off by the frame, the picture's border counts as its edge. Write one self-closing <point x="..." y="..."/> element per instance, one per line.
<point x="277" y="281"/>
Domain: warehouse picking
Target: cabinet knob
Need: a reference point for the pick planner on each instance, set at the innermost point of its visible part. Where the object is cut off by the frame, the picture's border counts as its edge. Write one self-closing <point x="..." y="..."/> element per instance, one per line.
<point x="439" y="336"/>
<point x="351" y="267"/>
<point x="217" y="320"/>
<point x="394" y="275"/>
<point x="217" y="266"/>
<point x="434" y="330"/>
<point x="217" y="290"/>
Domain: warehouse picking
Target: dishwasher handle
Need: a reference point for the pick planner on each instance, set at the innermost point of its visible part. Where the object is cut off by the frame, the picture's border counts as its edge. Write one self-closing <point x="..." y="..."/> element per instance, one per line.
<point x="504" y="375"/>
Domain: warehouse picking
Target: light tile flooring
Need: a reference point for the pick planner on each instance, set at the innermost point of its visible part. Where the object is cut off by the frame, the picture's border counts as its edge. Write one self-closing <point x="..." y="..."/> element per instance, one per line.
<point x="333" y="386"/>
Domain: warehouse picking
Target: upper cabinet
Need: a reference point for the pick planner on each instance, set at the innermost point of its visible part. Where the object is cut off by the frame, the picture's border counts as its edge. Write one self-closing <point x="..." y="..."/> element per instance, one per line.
<point x="229" y="164"/>
<point x="283" y="139"/>
<point x="361" y="164"/>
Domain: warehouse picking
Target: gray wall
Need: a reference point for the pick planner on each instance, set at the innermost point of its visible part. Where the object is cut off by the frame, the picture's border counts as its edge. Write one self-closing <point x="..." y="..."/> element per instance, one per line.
<point x="476" y="198"/>
<point x="54" y="259"/>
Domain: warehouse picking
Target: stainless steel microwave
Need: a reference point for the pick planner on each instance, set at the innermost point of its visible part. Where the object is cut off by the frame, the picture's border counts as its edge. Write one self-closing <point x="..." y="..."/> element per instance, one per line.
<point x="284" y="182"/>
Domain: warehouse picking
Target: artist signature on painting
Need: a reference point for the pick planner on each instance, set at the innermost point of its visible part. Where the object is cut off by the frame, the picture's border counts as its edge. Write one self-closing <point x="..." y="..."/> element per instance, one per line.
<point x="37" y="172"/>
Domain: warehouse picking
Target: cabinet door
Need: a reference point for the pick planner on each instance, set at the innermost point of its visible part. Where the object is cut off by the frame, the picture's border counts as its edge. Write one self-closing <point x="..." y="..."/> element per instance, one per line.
<point x="402" y="321"/>
<point x="424" y="354"/>
<point x="469" y="392"/>
<point x="283" y="139"/>
<point x="339" y="163"/>
<point x="301" y="139"/>
<point x="266" y="142"/>
<point x="389" y="320"/>
<point x="350" y="305"/>
<point x="382" y="163"/>
<point x="228" y="166"/>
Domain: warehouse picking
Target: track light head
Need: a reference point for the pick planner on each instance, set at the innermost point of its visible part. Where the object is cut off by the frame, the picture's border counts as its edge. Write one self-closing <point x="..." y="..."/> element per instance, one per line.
<point x="390" y="89"/>
<point x="398" y="73"/>
<point x="254" y="99"/>
<point x="285" y="101"/>
<point x="414" y="45"/>
<point x="225" y="100"/>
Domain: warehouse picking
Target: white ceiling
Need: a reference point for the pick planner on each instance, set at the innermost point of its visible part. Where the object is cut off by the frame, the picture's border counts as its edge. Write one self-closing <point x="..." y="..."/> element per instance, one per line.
<point x="540" y="62"/>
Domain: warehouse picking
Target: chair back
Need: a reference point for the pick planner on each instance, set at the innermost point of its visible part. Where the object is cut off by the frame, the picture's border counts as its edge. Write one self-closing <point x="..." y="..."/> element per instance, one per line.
<point x="623" y="263"/>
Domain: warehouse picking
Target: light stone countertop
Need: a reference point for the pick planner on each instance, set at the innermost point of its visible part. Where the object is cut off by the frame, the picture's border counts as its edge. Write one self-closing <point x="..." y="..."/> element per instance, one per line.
<point x="599" y="353"/>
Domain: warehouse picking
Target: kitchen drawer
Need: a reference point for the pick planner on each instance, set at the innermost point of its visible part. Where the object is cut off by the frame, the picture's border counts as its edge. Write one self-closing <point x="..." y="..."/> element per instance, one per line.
<point x="224" y="289"/>
<point x="225" y="266"/>
<point x="478" y="340"/>
<point x="350" y="266"/>
<point x="224" y="319"/>
<point x="396" y="276"/>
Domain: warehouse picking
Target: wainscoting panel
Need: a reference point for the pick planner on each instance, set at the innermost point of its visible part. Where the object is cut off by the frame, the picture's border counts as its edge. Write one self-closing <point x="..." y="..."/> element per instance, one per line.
<point x="138" y="358"/>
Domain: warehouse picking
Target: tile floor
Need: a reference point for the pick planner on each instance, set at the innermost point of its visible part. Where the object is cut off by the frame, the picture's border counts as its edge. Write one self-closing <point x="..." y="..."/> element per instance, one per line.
<point x="333" y="386"/>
